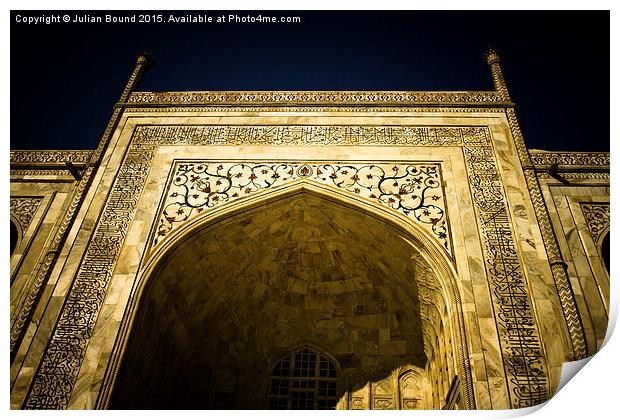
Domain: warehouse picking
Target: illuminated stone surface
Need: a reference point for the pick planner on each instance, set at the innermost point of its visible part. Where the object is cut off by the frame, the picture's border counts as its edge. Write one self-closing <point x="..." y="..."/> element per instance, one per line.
<point x="435" y="262"/>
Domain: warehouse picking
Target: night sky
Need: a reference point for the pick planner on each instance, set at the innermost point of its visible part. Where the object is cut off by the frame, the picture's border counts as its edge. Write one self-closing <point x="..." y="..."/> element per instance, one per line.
<point x="65" y="78"/>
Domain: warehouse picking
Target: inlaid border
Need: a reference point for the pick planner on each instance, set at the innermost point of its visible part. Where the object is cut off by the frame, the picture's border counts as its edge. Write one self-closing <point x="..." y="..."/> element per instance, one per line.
<point x="46" y="157"/>
<point x="315" y="97"/>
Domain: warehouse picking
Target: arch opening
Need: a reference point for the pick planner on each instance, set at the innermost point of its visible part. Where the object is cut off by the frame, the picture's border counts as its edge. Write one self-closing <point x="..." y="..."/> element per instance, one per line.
<point x="14" y="236"/>
<point x="604" y="251"/>
<point x="222" y="308"/>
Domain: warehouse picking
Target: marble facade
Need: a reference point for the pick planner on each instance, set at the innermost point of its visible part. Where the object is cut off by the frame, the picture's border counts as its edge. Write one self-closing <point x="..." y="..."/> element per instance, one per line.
<point x="408" y="242"/>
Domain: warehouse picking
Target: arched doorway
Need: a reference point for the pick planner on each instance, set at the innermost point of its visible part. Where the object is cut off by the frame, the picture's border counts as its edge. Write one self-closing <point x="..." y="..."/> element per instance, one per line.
<point x="223" y="307"/>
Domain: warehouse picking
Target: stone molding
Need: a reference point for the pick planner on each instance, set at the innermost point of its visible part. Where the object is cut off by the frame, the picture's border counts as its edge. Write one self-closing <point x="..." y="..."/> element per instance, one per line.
<point x="557" y="264"/>
<point x="558" y="267"/>
<point x="18" y="173"/>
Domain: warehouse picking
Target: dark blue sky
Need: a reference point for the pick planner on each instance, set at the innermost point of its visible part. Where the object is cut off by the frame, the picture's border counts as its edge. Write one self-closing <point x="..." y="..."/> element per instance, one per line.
<point x="65" y="78"/>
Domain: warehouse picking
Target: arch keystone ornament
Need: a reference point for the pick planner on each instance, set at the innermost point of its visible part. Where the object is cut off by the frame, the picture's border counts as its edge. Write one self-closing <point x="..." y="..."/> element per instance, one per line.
<point x="350" y="250"/>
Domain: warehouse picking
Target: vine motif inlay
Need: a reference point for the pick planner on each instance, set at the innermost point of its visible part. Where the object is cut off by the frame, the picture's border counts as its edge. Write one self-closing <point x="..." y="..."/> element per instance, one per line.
<point x="570" y="158"/>
<point x="520" y="343"/>
<point x="318" y="97"/>
<point x="314" y="108"/>
<point x="49" y="156"/>
<point x="597" y="217"/>
<point x="411" y="189"/>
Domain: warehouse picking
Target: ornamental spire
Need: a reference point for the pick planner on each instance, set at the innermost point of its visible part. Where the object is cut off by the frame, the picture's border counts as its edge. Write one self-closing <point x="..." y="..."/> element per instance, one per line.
<point x="493" y="60"/>
<point x="144" y="61"/>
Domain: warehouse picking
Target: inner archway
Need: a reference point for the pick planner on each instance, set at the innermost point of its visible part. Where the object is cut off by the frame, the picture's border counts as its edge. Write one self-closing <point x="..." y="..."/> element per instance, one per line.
<point x="233" y="299"/>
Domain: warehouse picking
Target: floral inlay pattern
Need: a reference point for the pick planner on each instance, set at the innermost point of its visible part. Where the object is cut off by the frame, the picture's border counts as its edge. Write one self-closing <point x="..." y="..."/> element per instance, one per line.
<point x="597" y="217"/>
<point x="23" y="209"/>
<point x="414" y="190"/>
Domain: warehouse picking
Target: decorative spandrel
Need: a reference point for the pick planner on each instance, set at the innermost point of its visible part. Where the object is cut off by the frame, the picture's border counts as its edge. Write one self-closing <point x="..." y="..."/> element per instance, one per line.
<point x="597" y="218"/>
<point x="23" y="209"/>
<point x="413" y="189"/>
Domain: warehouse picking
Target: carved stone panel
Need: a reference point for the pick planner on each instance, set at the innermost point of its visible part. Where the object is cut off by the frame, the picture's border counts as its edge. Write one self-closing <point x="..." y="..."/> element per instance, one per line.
<point x="383" y="394"/>
<point x="411" y="391"/>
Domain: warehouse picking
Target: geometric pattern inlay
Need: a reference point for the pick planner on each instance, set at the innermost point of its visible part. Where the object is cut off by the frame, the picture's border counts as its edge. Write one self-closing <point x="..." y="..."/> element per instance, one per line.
<point x="519" y="340"/>
<point x="411" y="189"/>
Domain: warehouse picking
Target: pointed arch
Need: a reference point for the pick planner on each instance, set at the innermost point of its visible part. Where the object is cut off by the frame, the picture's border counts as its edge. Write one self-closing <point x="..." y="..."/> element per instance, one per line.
<point x="431" y="257"/>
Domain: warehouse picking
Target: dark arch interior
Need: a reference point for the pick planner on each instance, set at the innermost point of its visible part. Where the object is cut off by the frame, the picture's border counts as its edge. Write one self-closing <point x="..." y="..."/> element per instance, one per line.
<point x="14" y="236"/>
<point x="605" y="251"/>
<point x="225" y="305"/>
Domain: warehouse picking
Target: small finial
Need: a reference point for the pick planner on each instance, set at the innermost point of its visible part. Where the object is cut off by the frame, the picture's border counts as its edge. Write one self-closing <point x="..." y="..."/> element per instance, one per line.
<point x="492" y="55"/>
<point x="146" y="59"/>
